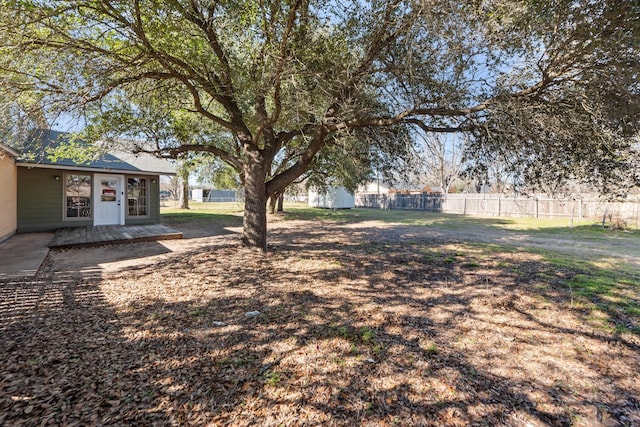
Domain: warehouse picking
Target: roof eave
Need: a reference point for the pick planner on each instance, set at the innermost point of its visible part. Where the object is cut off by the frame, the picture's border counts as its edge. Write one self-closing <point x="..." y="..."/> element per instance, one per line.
<point x="9" y="150"/>
<point x="90" y="169"/>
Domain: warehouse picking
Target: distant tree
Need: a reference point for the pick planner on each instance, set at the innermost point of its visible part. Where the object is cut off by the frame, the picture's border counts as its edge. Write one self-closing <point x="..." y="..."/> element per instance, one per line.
<point x="552" y="84"/>
<point x="183" y="171"/>
<point x="20" y="116"/>
<point x="443" y="158"/>
<point x="215" y="172"/>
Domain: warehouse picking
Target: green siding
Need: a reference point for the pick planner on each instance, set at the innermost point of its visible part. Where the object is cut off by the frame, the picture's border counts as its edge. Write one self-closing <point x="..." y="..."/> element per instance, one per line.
<point x="40" y="200"/>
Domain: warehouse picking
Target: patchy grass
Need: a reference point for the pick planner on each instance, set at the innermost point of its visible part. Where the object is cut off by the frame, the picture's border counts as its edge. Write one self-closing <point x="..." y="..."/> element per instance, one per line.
<point x="425" y="219"/>
<point x="549" y="226"/>
<point x="203" y="207"/>
<point x="202" y="216"/>
<point x="611" y="286"/>
<point x="365" y="320"/>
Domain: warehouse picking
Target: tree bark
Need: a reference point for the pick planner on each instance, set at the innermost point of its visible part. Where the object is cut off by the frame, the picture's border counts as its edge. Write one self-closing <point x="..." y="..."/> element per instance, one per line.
<point x="281" y="203"/>
<point x="275" y="203"/>
<point x="254" y="232"/>
<point x="272" y="205"/>
<point x="184" y="199"/>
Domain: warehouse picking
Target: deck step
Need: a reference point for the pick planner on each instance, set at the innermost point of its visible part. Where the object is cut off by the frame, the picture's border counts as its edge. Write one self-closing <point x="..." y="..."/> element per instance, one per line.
<point x="111" y="234"/>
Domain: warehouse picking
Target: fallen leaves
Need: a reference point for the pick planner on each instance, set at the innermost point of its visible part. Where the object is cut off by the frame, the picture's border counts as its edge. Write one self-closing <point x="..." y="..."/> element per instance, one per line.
<point x="342" y="330"/>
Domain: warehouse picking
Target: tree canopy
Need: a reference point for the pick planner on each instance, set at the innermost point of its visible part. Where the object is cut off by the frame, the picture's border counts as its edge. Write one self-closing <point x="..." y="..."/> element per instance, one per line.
<point x="274" y="88"/>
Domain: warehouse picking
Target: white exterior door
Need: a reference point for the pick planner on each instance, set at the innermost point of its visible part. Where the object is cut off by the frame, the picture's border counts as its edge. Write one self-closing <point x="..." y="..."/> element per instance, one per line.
<point x="108" y="196"/>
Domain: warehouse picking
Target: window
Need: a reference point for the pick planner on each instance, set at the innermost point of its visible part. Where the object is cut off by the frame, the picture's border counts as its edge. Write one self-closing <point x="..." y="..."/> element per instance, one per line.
<point x="108" y="190"/>
<point x="77" y="196"/>
<point x="137" y="198"/>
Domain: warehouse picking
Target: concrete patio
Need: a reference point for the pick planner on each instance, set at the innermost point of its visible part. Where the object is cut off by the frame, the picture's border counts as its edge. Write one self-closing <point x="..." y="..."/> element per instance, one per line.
<point x="22" y="254"/>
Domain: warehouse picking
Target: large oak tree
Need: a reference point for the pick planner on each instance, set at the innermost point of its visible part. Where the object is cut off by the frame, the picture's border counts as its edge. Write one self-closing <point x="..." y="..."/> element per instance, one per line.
<point x="276" y="84"/>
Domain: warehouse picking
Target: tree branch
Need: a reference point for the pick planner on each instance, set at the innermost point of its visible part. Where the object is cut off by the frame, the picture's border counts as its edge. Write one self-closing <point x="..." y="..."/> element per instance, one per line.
<point x="174" y="152"/>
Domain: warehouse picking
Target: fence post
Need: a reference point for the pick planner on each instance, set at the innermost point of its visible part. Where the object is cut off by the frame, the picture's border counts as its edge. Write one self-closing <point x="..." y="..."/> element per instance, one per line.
<point x="580" y="208"/>
<point x="464" y="206"/>
<point x="499" y="203"/>
<point x="537" y="212"/>
<point x="573" y="211"/>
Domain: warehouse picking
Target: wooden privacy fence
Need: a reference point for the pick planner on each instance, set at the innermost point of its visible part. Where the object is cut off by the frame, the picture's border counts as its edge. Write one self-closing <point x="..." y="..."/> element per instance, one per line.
<point x="587" y="207"/>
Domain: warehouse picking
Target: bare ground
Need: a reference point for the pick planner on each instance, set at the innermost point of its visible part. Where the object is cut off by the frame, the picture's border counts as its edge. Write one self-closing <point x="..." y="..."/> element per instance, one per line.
<point x="359" y="324"/>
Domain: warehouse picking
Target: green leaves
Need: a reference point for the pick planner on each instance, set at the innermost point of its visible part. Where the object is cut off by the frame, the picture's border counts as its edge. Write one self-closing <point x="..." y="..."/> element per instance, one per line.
<point x="283" y="82"/>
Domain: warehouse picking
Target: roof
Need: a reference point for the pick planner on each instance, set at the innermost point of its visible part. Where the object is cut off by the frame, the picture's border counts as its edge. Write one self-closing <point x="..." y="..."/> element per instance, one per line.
<point x="432" y="189"/>
<point x="36" y="152"/>
<point x="146" y="162"/>
<point x="9" y="150"/>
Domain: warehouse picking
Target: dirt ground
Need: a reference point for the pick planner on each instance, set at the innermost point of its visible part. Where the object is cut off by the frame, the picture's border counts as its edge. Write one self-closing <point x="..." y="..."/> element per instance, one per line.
<point x="369" y="324"/>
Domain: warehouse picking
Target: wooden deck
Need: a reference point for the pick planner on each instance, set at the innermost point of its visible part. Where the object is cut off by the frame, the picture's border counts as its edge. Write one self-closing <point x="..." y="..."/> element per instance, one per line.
<point x="108" y="234"/>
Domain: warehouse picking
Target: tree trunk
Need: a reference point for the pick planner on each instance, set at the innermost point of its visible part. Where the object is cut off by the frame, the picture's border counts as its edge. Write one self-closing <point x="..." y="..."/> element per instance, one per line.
<point x="272" y="205"/>
<point x="254" y="232"/>
<point x="275" y="201"/>
<point x="281" y="203"/>
<point x="184" y="199"/>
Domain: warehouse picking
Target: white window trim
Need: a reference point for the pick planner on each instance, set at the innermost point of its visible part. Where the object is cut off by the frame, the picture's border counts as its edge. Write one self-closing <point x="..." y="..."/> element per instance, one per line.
<point x="148" y="189"/>
<point x="64" y="197"/>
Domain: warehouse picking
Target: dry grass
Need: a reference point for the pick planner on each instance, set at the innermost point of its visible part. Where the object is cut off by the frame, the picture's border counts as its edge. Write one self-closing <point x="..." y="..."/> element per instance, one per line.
<point x="359" y="325"/>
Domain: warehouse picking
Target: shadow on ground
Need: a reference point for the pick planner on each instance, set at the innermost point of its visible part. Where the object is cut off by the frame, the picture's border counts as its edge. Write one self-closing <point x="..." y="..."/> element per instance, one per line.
<point x="198" y="224"/>
<point x="354" y="327"/>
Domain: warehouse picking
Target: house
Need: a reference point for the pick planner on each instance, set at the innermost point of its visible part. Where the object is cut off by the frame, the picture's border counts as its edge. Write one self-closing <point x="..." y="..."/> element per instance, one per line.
<point x="8" y="192"/>
<point x="432" y="189"/>
<point x="331" y="198"/>
<point x="115" y="188"/>
<point x="374" y="187"/>
<point x="213" y="195"/>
